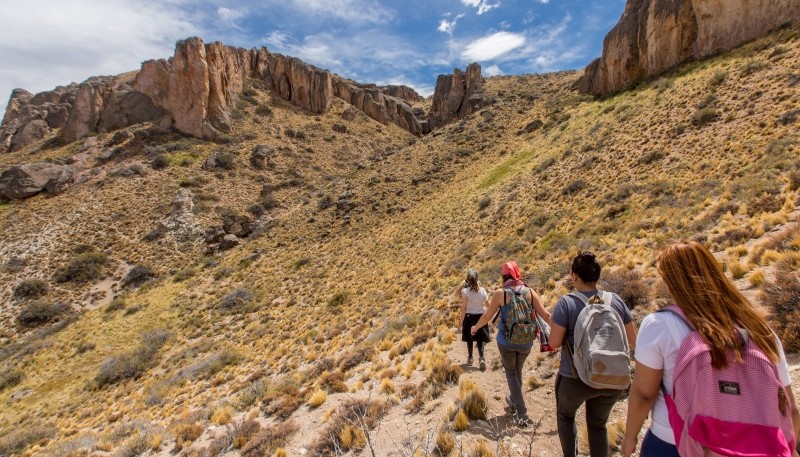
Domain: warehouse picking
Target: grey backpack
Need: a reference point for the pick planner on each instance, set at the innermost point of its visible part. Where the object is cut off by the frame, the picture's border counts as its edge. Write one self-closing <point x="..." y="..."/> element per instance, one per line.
<point x="602" y="356"/>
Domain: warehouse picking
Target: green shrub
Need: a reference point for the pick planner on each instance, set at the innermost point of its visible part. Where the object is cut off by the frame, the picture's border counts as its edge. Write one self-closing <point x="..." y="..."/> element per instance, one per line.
<point x="10" y="377"/>
<point x="85" y="267"/>
<point x="132" y="364"/>
<point x="40" y="312"/>
<point x="573" y="187"/>
<point x="628" y="285"/>
<point x="264" y="110"/>
<point x="237" y="300"/>
<point x="340" y="298"/>
<point x="159" y="162"/>
<point x="22" y="438"/>
<point x="137" y="276"/>
<point x="781" y="297"/>
<point x="31" y="288"/>
<point x="704" y="115"/>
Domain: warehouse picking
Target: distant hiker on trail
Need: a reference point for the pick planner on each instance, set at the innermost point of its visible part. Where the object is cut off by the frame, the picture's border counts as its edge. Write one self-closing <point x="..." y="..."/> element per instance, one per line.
<point x="582" y="321"/>
<point x="473" y="305"/>
<point x="518" y="305"/>
<point x="732" y="381"/>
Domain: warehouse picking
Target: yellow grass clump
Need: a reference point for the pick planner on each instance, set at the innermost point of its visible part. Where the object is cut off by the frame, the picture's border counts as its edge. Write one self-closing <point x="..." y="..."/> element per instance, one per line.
<point x="222" y="415"/>
<point x="461" y="421"/>
<point x="482" y="449"/>
<point x="445" y="443"/>
<point x="317" y="398"/>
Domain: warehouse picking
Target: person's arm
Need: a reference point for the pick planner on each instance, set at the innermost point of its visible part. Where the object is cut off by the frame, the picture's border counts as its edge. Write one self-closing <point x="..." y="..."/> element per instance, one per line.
<point x="642" y="397"/>
<point x="538" y="307"/>
<point x="463" y="310"/>
<point x="494" y="304"/>
<point x="630" y="332"/>
<point x="795" y="413"/>
<point x="557" y="334"/>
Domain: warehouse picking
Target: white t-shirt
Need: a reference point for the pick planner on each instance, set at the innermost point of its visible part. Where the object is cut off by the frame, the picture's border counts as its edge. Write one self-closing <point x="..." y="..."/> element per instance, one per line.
<point x="475" y="300"/>
<point x="657" y="344"/>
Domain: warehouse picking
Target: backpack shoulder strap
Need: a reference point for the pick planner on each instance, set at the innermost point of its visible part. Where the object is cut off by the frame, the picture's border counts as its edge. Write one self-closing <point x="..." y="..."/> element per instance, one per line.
<point x="582" y="298"/>
<point x="500" y="309"/>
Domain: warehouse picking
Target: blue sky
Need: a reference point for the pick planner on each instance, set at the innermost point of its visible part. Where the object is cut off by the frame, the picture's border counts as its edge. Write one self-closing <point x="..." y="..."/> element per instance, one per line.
<point x="44" y="43"/>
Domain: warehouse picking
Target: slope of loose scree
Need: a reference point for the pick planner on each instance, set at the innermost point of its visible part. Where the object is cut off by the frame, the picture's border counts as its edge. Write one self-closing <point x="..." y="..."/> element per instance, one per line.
<point x="336" y="315"/>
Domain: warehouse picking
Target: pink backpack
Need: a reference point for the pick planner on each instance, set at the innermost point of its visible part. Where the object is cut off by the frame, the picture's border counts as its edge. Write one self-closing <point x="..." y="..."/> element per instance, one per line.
<point x="742" y="410"/>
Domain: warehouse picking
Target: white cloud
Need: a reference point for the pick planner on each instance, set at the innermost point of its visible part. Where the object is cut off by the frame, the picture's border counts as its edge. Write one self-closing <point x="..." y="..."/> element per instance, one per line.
<point x="448" y="27"/>
<point x="482" y="5"/>
<point x="352" y="11"/>
<point x="492" y="46"/>
<point x="228" y="17"/>
<point x="543" y="2"/>
<point x="493" y="70"/>
<point x="45" y="43"/>
<point x="277" y="39"/>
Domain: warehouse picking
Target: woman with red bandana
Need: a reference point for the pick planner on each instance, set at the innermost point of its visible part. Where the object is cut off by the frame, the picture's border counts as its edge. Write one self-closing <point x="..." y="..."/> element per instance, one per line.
<point x="512" y="355"/>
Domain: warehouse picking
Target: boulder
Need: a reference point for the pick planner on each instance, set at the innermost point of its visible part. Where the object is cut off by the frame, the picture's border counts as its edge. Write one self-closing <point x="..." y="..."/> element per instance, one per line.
<point x="23" y="181"/>
<point x="350" y="113"/>
<point x="181" y="222"/>
<point x="655" y="35"/>
<point x="259" y="158"/>
<point x="30" y="133"/>
<point x="229" y="242"/>
<point x="339" y="128"/>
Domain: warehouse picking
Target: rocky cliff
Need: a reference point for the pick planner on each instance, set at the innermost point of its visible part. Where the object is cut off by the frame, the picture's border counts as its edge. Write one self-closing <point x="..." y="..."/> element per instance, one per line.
<point x="195" y="91"/>
<point x="456" y="95"/>
<point x="655" y="35"/>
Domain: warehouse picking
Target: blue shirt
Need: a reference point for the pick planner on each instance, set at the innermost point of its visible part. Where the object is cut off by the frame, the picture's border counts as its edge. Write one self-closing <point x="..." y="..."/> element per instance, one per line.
<point x="565" y="315"/>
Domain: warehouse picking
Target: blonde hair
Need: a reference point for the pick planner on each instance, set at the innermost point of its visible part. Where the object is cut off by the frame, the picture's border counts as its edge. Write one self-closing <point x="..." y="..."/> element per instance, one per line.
<point x="711" y="302"/>
<point x="472" y="280"/>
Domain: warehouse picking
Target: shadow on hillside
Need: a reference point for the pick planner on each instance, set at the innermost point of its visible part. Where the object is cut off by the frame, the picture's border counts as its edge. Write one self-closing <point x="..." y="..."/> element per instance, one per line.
<point x="498" y="427"/>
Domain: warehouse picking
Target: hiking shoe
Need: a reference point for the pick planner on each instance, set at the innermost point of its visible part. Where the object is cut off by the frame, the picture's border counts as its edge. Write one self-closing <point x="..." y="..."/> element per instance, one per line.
<point x="483" y="364"/>
<point x="523" y="422"/>
<point x="510" y="408"/>
<point x="469" y="361"/>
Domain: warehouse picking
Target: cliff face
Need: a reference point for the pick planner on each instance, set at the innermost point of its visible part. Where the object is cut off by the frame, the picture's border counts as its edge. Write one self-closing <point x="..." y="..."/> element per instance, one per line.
<point x="655" y="35"/>
<point x="195" y="91"/>
<point x="456" y="95"/>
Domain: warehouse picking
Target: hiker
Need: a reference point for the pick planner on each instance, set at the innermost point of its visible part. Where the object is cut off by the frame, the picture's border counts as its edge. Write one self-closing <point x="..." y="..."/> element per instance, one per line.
<point x="473" y="305"/>
<point x="517" y="305"/>
<point x="709" y="311"/>
<point x="571" y="389"/>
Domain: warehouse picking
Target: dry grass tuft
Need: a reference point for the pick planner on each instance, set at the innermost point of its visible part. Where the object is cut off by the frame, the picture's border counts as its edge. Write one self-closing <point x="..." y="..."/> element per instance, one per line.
<point x="482" y="449"/>
<point x="445" y="443"/>
<point x="317" y="398"/>
<point x="461" y="421"/>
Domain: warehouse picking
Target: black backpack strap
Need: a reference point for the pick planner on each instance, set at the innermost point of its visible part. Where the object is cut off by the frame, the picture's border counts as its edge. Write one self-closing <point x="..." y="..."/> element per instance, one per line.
<point x="585" y="301"/>
<point x="500" y="310"/>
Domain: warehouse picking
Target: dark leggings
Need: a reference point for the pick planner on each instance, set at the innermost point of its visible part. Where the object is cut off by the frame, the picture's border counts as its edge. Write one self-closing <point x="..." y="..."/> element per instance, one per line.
<point x="480" y="348"/>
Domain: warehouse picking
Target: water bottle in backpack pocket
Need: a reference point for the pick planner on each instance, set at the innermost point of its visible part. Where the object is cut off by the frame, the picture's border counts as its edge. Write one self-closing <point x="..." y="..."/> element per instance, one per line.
<point x="740" y="410"/>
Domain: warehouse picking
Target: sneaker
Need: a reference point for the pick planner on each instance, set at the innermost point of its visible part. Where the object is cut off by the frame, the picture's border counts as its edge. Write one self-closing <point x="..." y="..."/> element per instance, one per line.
<point x="483" y="364"/>
<point x="469" y="361"/>
<point x="523" y="422"/>
<point x="510" y="408"/>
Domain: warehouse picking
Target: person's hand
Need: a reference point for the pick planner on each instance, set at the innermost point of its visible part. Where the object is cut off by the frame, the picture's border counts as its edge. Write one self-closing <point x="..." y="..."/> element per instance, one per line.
<point x="473" y="330"/>
<point x="628" y="445"/>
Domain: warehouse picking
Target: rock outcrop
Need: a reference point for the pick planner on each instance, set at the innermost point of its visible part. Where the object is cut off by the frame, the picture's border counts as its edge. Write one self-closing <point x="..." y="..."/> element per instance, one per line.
<point x="195" y="91"/>
<point x="180" y="222"/>
<point x="655" y="35"/>
<point x="381" y="107"/>
<point x="23" y="181"/>
<point x="456" y="96"/>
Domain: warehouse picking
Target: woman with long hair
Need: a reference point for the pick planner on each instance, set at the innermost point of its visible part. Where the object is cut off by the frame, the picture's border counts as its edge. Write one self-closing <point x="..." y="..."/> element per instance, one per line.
<point x="716" y="310"/>
<point x="473" y="305"/>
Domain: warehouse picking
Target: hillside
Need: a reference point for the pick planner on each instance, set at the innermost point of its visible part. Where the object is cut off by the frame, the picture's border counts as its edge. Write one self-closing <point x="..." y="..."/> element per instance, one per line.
<point x="343" y="292"/>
